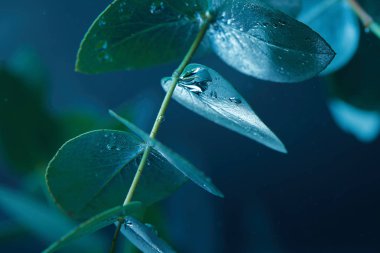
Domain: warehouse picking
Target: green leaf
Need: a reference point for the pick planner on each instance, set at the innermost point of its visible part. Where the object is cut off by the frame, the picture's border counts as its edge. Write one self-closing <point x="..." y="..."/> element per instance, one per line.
<point x="207" y="93"/>
<point x="290" y="7"/>
<point x="133" y="34"/>
<point x="93" y="172"/>
<point x="144" y="237"/>
<point x="96" y="223"/>
<point x="265" y="43"/>
<point x="176" y="160"/>
<point x="28" y="132"/>
<point x="43" y="221"/>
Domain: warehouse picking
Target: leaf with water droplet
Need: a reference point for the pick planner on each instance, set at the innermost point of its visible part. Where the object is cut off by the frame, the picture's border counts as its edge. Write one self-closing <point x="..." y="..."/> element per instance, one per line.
<point x="220" y="103"/>
<point x="268" y="44"/>
<point x="290" y="7"/>
<point x="143" y="237"/>
<point x="96" y="223"/>
<point x="137" y="34"/>
<point x="345" y="27"/>
<point x="93" y="172"/>
<point x="182" y="165"/>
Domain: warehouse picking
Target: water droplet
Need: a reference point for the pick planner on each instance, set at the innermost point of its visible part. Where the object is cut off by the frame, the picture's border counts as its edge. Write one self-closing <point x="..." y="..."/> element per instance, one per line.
<point x="195" y="80"/>
<point x="367" y="30"/>
<point x="109" y="147"/>
<point x="235" y="100"/>
<point x="106" y="135"/>
<point x="157" y="7"/>
<point x="102" y="22"/>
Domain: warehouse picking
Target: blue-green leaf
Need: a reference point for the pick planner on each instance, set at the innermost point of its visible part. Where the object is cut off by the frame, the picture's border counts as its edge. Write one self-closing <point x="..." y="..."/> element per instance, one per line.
<point x="132" y="34"/>
<point x="290" y="7"/>
<point x="144" y="237"/>
<point x="207" y="93"/>
<point x="176" y="160"/>
<point x="338" y="24"/>
<point x="43" y="221"/>
<point x="364" y="125"/>
<point x="96" y="223"/>
<point x="93" y="172"/>
<point x="268" y="44"/>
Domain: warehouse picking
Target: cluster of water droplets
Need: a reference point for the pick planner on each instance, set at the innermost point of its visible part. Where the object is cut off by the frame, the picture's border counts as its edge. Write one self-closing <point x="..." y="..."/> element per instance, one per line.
<point x="111" y="143"/>
<point x="157" y="7"/>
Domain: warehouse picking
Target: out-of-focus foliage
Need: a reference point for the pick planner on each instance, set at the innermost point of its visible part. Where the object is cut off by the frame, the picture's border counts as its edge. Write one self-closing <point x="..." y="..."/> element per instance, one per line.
<point x="28" y="132"/>
<point x="358" y="86"/>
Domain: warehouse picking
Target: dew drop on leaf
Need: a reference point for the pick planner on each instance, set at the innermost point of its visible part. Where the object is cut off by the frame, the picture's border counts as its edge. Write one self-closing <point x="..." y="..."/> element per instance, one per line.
<point x="157" y="7"/>
<point x="205" y="92"/>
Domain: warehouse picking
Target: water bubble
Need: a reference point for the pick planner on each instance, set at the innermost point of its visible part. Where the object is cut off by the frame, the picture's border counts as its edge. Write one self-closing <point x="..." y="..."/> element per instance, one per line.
<point x="102" y="22"/>
<point x="235" y="100"/>
<point x="213" y="94"/>
<point x="157" y="7"/>
<point x="195" y="80"/>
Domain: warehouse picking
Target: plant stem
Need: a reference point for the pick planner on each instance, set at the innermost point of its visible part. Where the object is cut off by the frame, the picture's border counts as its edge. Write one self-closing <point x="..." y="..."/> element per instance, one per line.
<point x="366" y="19"/>
<point x="206" y="20"/>
<point x="115" y="236"/>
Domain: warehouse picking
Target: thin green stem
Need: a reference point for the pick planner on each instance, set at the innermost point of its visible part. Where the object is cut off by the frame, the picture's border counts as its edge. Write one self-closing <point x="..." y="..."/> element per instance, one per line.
<point x="165" y="103"/>
<point x="207" y="19"/>
<point x="115" y="236"/>
<point x="368" y="22"/>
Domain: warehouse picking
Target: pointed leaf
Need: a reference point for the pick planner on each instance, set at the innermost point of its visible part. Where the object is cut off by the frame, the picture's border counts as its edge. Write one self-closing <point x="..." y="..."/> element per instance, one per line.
<point x="207" y="93"/>
<point x="93" y="172"/>
<point x="290" y="7"/>
<point x="132" y="34"/>
<point x="337" y="23"/>
<point x="96" y="223"/>
<point x="268" y="44"/>
<point x="176" y="160"/>
<point x="143" y="237"/>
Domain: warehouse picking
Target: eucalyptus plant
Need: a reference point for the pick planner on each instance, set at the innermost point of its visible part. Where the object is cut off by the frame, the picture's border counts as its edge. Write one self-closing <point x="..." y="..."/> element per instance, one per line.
<point x="106" y="177"/>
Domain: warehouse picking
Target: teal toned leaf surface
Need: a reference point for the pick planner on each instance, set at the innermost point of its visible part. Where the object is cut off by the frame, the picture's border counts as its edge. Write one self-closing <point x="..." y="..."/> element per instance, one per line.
<point x="132" y="34"/>
<point x="364" y="125"/>
<point x="41" y="220"/>
<point x="93" y="172"/>
<point x="338" y="24"/>
<point x="207" y="93"/>
<point x="96" y="223"/>
<point x="268" y="44"/>
<point x="290" y="7"/>
<point x="176" y="160"/>
<point x="144" y="237"/>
